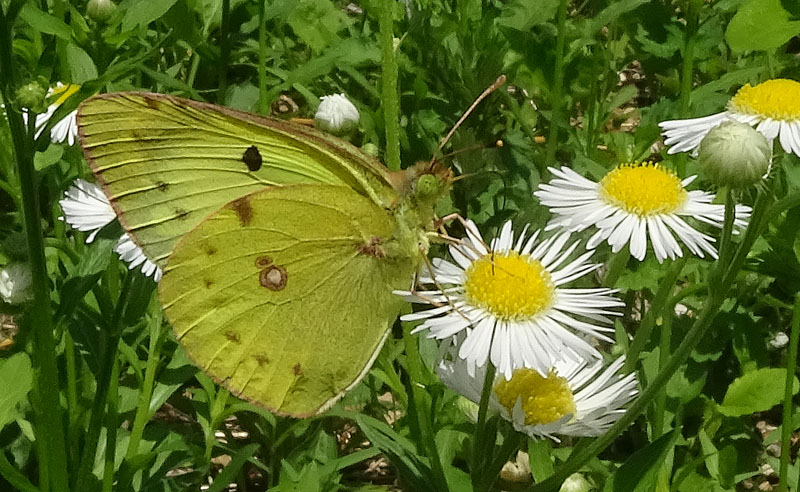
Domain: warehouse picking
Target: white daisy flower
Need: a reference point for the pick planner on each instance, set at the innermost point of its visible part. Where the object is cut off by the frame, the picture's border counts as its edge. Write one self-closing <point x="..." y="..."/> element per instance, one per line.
<point x="510" y="296"/>
<point x="67" y="128"/>
<point x="773" y="107"/>
<point x="336" y="114"/>
<point x="632" y="202"/>
<point x="573" y="398"/>
<point x="86" y="208"/>
<point x="16" y="283"/>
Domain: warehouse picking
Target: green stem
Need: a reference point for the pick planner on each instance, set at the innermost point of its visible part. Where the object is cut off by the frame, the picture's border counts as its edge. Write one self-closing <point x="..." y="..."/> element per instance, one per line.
<point x="557" y="87"/>
<point x="14" y="477"/>
<point x="73" y="409"/>
<point x="109" y="355"/>
<point x="416" y="394"/>
<point x="663" y="358"/>
<point x="263" y="104"/>
<point x="616" y="265"/>
<point x="111" y="429"/>
<point x="39" y="317"/>
<point x="389" y="86"/>
<point x="146" y="391"/>
<point x="225" y="50"/>
<point x="483" y="451"/>
<point x="687" y="70"/>
<point x="642" y="336"/>
<point x="695" y="334"/>
<point x="786" y="424"/>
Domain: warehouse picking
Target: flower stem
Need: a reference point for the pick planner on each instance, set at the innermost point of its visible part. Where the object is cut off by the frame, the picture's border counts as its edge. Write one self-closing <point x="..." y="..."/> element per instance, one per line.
<point x="389" y="86"/>
<point x="695" y="334"/>
<point x="109" y="356"/>
<point x="616" y="265"/>
<point x="39" y="315"/>
<point x="665" y="288"/>
<point x="416" y="394"/>
<point x="146" y="391"/>
<point x="112" y="417"/>
<point x="263" y="104"/>
<point x="557" y="89"/>
<point x="786" y="421"/>
<point x="687" y="70"/>
<point x="225" y="50"/>
<point x="483" y="451"/>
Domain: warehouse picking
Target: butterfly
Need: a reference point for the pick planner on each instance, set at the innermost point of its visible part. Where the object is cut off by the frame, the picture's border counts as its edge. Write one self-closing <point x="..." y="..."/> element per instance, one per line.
<point x="280" y="245"/>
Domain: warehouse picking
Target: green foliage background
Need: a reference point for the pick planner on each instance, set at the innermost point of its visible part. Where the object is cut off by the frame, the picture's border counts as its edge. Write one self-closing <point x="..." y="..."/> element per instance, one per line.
<point x="625" y="66"/>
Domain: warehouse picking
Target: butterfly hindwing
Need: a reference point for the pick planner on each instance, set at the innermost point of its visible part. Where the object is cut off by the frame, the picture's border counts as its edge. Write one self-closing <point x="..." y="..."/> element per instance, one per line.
<point x="285" y="295"/>
<point x="167" y="162"/>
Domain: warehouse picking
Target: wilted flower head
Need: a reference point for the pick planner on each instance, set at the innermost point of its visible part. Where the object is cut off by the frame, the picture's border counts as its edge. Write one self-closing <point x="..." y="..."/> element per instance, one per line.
<point x="336" y="115"/>
<point x="15" y="283"/>
<point x="734" y="154"/>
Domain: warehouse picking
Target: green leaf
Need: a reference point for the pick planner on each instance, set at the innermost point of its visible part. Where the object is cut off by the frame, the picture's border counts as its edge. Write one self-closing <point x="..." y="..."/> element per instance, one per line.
<point x="50" y="156"/>
<point x="316" y="22"/>
<point x="16" y="379"/>
<point x="44" y="22"/>
<point x="756" y="391"/>
<point x="761" y="25"/>
<point x="639" y="473"/>
<point x="143" y="12"/>
<point x="81" y="66"/>
<point x="525" y="14"/>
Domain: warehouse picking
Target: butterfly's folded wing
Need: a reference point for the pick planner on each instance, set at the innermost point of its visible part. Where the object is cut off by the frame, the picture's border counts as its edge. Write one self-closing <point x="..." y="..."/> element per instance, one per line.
<point x="166" y="162"/>
<point x="285" y="295"/>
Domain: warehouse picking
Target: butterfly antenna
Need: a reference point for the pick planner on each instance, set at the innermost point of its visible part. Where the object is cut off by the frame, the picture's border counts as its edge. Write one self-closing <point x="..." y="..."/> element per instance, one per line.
<point x="497" y="83"/>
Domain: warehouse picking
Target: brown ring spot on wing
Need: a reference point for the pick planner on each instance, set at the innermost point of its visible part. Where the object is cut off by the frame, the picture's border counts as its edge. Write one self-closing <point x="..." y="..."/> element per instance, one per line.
<point x="243" y="209"/>
<point x="273" y="277"/>
<point x="232" y="336"/>
<point x="162" y="186"/>
<point x="252" y="158"/>
<point x="263" y="261"/>
<point x="297" y="369"/>
<point x="261" y="359"/>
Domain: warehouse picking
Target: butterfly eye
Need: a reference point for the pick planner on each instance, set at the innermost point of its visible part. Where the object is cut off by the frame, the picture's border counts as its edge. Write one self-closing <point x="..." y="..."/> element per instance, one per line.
<point x="427" y="185"/>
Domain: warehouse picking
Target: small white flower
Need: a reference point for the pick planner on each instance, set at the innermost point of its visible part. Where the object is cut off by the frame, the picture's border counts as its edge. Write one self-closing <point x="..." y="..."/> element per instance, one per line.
<point x="634" y="202"/>
<point x="509" y="301"/>
<point x="67" y="128"/>
<point x="576" y="483"/>
<point x="15" y="283"/>
<point x="86" y="208"/>
<point x="779" y="341"/>
<point x="574" y="398"/>
<point x="336" y="114"/>
<point x="773" y="107"/>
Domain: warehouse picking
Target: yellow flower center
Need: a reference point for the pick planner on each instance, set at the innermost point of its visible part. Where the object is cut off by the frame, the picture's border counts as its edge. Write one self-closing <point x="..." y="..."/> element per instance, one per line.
<point x="778" y="99"/>
<point x="644" y="189"/>
<point x="510" y="286"/>
<point x="543" y="399"/>
<point x="63" y="93"/>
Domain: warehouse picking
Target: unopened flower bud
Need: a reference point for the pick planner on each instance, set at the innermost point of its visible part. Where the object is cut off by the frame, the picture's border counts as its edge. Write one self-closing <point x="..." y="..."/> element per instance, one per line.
<point x="734" y="154"/>
<point x="16" y="283"/>
<point x="100" y="10"/>
<point x="336" y="115"/>
<point x="575" y="483"/>
<point x="32" y="96"/>
<point x="371" y="149"/>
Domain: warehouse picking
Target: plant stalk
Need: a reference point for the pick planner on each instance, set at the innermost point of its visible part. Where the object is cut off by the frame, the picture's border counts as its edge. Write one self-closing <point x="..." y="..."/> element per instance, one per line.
<point x="389" y="86"/>
<point x="786" y="420"/>
<point x="557" y="92"/>
<point x="39" y="315"/>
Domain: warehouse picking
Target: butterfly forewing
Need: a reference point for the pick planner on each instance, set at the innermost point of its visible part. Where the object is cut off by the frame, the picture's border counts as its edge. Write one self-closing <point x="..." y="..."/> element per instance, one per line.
<point x="285" y="295"/>
<point x="166" y="162"/>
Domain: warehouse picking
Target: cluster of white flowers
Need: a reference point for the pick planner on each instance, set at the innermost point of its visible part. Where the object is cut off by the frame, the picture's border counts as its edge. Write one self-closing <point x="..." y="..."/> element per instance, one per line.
<point x="507" y="303"/>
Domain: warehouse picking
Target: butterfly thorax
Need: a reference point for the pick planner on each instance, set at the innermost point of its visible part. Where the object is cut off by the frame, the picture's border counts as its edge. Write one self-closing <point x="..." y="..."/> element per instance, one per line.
<point x="419" y="188"/>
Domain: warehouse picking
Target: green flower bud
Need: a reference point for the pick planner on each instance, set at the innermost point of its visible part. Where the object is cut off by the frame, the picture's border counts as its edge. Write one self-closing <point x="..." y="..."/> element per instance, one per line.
<point x="371" y="149"/>
<point x="100" y="10"/>
<point x="734" y="154"/>
<point x="576" y="483"/>
<point x="32" y="96"/>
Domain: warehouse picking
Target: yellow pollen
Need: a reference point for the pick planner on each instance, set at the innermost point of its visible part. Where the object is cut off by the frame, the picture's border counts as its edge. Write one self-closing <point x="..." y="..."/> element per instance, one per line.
<point x="510" y="286"/>
<point x="63" y="93"/>
<point x="778" y="99"/>
<point x="644" y="189"/>
<point x="543" y="399"/>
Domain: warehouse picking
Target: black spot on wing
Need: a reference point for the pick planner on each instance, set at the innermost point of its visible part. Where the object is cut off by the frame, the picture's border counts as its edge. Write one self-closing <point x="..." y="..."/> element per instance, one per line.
<point x="252" y="158"/>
